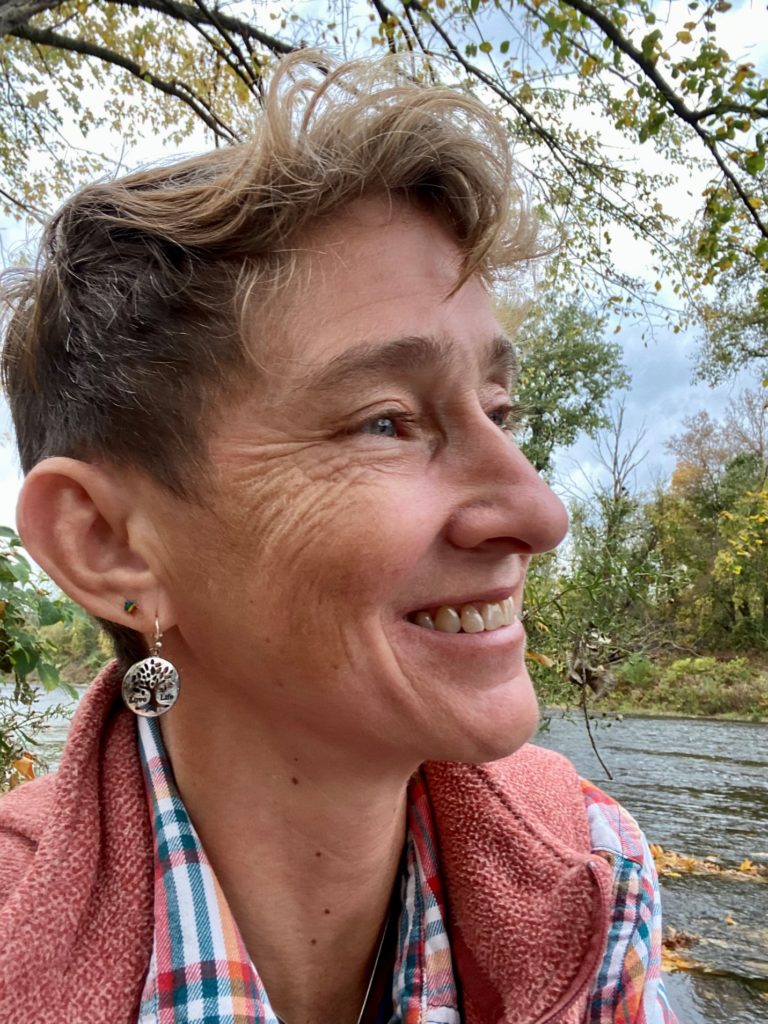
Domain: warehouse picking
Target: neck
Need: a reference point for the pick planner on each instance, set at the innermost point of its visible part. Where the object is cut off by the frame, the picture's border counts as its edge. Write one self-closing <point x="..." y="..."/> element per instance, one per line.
<point x="305" y="845"/>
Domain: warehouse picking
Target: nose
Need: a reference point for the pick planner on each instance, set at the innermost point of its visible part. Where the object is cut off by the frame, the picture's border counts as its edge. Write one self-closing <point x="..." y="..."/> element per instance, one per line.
<point x="502" y="502"/>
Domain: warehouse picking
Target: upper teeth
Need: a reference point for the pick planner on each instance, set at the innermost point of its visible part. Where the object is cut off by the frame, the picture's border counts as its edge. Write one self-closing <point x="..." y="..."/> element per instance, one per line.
<point x="469" y="618"/>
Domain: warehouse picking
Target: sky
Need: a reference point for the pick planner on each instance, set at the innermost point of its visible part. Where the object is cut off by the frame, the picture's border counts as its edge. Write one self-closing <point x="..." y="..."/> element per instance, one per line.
<point x="662" y="392"/>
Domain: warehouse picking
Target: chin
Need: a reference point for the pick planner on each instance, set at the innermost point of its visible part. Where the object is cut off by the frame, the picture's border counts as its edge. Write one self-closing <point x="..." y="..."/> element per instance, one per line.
<point x="498" y="726"/>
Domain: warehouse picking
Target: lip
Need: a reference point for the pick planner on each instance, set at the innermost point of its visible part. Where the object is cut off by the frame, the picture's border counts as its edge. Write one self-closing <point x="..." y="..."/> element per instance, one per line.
<point x="485" y="597"/>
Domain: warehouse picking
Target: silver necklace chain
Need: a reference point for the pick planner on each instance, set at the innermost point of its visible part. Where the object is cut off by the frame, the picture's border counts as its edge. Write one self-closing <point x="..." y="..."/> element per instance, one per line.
<point x="371" y="979"/>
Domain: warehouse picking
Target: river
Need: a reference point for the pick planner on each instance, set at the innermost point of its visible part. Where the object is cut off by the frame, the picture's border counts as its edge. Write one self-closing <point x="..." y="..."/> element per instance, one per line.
<point x="700" y="788"/>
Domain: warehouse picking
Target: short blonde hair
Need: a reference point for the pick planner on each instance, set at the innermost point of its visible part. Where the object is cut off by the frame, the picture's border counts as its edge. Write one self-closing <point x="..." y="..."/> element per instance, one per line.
<point x="122" y="340"/>
<point x="131" y="325"/>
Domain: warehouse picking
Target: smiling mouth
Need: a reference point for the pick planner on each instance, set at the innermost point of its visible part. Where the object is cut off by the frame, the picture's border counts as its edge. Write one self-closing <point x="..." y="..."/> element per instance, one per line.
<point x="482" y="617"/>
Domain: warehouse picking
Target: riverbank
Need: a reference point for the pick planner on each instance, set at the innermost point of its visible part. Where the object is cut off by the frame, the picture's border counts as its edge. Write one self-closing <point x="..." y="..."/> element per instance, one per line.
<point x="618" y="710"/>
<point x="720" y="689"/>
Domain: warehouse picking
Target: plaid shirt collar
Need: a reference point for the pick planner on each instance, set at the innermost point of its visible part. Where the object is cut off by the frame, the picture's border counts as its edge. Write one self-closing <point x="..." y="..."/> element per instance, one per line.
<point x="200" y="970"/>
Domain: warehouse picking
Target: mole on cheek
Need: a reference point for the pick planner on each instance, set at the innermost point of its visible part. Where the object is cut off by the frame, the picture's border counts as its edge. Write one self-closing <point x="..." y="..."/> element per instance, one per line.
<point x="295" y="781"/>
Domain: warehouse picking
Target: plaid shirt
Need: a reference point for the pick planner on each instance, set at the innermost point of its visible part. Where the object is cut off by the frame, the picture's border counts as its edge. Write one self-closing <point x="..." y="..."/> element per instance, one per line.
<point x="200" y="971"/>
<point x="629" y="988"/>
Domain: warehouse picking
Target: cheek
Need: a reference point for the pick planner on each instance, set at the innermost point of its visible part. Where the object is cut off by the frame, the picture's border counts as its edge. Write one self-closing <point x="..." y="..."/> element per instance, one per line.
<point x="331" y="531"/>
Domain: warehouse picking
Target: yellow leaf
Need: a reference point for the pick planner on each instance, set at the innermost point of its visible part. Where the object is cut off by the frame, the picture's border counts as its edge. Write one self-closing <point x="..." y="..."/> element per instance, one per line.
<point x="684" y="36"/>
<point x="675" y="962"/>
<point x="25" y="766"/>
<point x="36" y="98"/>
<point x="729" y="919"/>
<point x="540" y="659"/>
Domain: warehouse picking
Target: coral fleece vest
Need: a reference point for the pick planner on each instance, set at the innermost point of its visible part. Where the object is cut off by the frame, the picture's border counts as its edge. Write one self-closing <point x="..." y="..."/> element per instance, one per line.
<point x="528" y="903"/>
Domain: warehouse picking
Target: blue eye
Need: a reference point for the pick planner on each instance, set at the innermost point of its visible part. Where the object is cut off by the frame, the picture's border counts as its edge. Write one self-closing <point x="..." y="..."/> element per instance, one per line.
<point x="382" y="426"/>
<point x="506" y="417"/>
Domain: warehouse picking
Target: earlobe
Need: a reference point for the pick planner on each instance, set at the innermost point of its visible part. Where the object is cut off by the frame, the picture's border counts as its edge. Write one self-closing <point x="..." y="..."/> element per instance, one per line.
<point x="77" y="520"/>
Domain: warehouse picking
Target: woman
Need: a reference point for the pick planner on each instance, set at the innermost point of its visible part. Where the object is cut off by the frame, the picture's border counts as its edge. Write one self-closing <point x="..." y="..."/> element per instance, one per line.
<point x="262" y="403"/>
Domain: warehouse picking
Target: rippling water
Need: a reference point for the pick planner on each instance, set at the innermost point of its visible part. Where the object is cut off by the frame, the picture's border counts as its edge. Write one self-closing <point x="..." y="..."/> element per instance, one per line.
<point x="701" y="788"/>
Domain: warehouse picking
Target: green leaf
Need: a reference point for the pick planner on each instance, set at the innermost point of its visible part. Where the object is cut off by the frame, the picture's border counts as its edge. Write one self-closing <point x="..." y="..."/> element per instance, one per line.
<point x="504" y="45"/>
<point x="755" y="163"/>
<point x="48" y="675"/>
<point x="48" y="612"/>
<point x="649" y="44"/>
<point x="20" y="569"/>
<point x="24" y="660"/>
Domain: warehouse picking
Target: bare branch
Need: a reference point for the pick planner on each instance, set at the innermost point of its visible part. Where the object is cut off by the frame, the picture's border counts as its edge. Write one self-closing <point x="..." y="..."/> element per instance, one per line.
<point x="193" y="16"/>
<point x="41" y="216"/>
<point x="238" y="66"/>
<point x="179" y="90"/>
<point x="385" y="14"/>
<point x="18" y="12"/>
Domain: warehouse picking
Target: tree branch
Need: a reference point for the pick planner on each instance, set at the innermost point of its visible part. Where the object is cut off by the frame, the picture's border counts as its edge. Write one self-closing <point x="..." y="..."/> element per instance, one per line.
<point x="673" y="101"/>
<point x="729" y="108"/>
<point x="37" y="214"/>
<point x="538" y="129"/>
<point x="232" y="63"/>
<point x="246" y="77"/>
<point x="385" y="14"/>
<point x="178" y="90"/>
<point x="193" y="16"/>
<point x="18" y="12"/>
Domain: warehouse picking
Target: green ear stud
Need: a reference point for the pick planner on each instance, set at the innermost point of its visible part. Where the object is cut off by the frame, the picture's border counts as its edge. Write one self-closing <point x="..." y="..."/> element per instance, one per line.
<point x="130" y="607"/>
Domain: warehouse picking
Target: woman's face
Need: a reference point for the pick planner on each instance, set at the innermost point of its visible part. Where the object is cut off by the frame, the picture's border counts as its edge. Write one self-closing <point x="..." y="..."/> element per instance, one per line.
<point x="365" y="480"/>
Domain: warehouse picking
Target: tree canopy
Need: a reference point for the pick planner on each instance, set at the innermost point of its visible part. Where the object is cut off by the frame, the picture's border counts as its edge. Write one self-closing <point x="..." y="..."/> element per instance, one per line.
<point x="568" y="372"/>
<point x="579" y="84"/>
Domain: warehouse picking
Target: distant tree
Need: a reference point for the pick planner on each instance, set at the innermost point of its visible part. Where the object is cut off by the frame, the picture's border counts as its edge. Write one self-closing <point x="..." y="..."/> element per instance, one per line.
<point x="568" y="372"/>
<point x="709" y="521"/>
<point x="742" y="563"/>
<point x="702" y="450"/>
<point x="596" y="605"/>
<point x="734" y="320"/>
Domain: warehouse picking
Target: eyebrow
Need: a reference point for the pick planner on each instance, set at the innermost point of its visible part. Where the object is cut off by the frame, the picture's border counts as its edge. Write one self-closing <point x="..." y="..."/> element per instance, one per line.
<point x="368" y="361"/>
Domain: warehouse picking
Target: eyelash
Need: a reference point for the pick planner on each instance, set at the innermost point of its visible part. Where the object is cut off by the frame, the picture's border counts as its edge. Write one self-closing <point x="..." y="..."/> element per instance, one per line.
<point x="509" y="413"/>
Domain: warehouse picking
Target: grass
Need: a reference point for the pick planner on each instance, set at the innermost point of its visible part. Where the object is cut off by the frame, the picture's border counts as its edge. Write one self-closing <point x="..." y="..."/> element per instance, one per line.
<point x="706" y="687"/>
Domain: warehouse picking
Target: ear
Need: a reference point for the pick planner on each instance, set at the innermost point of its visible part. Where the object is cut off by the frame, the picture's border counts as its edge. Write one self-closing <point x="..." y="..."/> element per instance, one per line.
<point x="81" y="522"/>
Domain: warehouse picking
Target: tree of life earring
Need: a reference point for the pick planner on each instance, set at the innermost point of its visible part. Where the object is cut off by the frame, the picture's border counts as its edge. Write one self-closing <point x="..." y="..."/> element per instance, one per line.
<point x="151" y="686"/>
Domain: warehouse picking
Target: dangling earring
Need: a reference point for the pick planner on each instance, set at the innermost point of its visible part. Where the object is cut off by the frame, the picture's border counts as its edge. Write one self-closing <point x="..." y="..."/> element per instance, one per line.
<point x="151" y="686"/>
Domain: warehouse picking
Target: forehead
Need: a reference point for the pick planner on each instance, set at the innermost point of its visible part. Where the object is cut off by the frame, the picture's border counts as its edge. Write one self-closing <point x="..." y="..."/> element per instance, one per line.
<point x="381" y="276"/>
